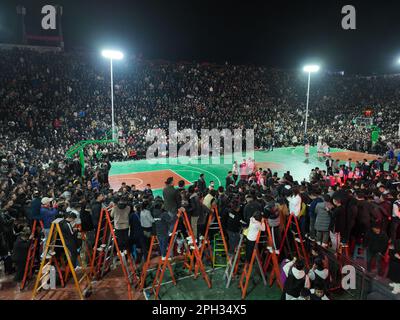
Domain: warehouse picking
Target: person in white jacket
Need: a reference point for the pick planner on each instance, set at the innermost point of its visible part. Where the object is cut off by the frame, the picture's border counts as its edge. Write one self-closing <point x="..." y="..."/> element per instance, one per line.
<point x="294" y="202"/>
<point x="256" y="225"/>
<point x="296" y="279"/>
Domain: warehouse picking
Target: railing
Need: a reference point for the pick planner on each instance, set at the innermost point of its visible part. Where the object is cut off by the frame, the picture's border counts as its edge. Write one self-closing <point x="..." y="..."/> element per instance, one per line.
<point x="364" y="283"/>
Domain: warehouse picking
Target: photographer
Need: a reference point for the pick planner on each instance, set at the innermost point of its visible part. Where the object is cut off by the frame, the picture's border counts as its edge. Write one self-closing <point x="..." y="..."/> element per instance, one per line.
<point x="48" y="213"/>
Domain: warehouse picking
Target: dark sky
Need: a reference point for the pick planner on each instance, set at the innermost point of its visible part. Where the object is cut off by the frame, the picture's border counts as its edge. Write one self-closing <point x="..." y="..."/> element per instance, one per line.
<point x="279" y="33"/>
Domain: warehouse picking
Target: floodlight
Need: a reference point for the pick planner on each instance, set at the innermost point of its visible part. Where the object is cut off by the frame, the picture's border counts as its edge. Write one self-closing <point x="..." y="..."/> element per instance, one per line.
<point x="112" y="54"/>
<point x="311" y="68"/>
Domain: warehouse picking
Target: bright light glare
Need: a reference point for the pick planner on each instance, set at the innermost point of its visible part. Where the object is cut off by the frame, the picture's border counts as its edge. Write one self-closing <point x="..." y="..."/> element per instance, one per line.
<point x="112" y="54"/>
<point x="311" y="68"/>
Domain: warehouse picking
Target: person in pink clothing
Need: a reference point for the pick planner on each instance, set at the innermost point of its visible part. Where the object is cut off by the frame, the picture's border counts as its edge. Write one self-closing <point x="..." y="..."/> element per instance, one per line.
<point x="259" y="175"/>
<point x="243" y="170"/>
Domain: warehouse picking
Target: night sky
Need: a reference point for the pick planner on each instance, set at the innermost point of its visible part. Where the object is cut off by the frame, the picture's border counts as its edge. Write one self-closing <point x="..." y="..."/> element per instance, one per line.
<point x="276" y="33"/>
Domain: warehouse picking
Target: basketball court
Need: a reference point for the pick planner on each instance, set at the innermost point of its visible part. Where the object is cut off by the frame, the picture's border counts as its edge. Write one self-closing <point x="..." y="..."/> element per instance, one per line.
<point x="280" y="160"/>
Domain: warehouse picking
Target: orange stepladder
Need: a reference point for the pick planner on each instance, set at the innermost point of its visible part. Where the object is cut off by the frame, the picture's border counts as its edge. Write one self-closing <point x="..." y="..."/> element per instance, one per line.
<point x="164" y="264"/>
<point x="153" y="243"/>
<point x="32" y="251"/>
<point x="248" y="268"/>
<point x="300" y="249"/>
<point x="55" y="240"/>
<point x="206" y="243"/>
<point x="272" y="257"/>
<point x="104" y="251"/>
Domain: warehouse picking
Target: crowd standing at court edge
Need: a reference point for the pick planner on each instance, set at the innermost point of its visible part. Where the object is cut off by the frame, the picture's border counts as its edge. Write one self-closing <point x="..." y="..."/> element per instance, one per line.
<point x="51" y="101"/>
<point x="331" y="213"/>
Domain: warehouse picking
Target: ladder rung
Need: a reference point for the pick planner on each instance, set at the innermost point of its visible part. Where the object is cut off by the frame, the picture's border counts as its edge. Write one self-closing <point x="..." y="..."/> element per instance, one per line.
<point x="44" y="275"/>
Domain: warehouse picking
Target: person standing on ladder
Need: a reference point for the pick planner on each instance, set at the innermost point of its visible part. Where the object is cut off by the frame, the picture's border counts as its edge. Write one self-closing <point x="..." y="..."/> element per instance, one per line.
<point x="195" y="210"/>
<point x="162" y="221"/>
<point x="172" y="201"/>
<point x="233" y="227"/>
<point x="255" y="227"/>
<point x="120" y="213"/>
<point x="70" y="236"/>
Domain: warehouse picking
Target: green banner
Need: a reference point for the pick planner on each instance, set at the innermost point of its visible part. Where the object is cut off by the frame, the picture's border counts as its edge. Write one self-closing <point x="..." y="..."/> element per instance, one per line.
<point x="374" y="136"/>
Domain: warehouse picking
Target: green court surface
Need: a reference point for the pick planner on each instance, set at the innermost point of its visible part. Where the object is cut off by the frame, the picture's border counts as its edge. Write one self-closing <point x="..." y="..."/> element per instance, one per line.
<point x="188" y="288"/>
<point x="280" y="160"/>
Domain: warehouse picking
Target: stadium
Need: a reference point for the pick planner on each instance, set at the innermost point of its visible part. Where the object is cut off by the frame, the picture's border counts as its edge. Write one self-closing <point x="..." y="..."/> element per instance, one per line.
<point x="154" y="174"/>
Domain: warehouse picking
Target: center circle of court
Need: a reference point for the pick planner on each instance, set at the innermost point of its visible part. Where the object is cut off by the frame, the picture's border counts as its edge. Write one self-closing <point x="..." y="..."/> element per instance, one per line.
<point x="136" y="181"/>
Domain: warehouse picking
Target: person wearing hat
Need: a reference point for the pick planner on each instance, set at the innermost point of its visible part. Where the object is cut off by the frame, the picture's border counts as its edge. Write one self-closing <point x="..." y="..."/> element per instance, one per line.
<point x="20" y="253"/>
<point x="47" y="214"/>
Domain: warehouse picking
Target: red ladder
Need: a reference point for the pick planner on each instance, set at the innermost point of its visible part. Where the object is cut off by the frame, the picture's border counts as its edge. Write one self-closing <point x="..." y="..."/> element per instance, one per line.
<point x="206" y="244"/>
<point x="102" y="262"/>
<point x="164" y="264"/>
<point x="248" y="268"/>
<point x="32" y="251"/>
<point x="300" y="250"/>
<point x="271" y="256"/>
<point x="154" y="242"/>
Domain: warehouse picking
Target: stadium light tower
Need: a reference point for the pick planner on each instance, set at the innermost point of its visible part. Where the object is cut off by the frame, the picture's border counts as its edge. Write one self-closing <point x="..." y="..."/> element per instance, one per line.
<point x="112" y="55"/>
<point x="309" y="69"/>
<point x="398" y="132"/>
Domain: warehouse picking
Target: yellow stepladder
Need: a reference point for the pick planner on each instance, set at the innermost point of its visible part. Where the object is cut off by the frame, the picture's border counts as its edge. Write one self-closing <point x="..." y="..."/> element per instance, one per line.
<point x="49" y="257"/>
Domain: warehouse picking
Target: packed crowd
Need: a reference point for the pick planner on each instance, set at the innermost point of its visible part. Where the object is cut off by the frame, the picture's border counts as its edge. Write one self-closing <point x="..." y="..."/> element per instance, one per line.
<point x="50" y="101"/>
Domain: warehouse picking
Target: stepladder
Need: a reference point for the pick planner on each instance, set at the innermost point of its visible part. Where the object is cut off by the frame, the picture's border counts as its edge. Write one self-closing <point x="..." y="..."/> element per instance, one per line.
<point x="271" y="258"/>
<point x="234" y="261"/>
<point x="292" y="237"/>
<point x="163" y="265"/>
<point x="145" y="269"/>
<point x="106" y="250"/>
<point x="35" y="247"/>
<point x="206" y="248"/>
<point x="248" y="268"/>
<point x="59" y="247"/>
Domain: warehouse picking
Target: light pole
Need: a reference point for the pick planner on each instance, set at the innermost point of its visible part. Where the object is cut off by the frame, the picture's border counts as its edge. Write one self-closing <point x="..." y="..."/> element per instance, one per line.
<point x="310" y="69"/>
<point x="112" y="55"/>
